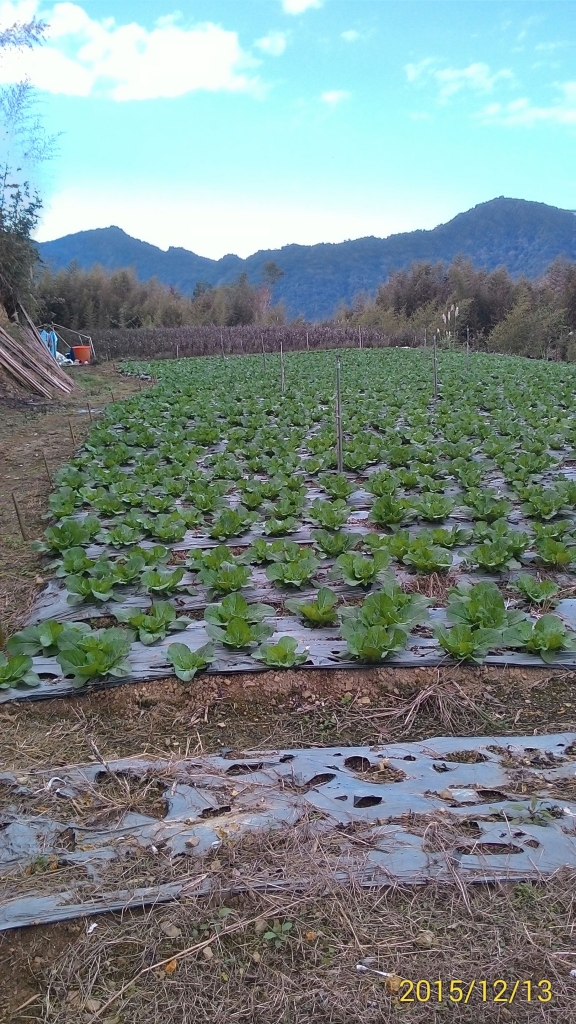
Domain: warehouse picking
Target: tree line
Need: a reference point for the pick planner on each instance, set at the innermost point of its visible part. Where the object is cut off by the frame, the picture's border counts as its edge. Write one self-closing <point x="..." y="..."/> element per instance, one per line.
<point x="99" y="299"/>
<point x="461" y="305"/>
<point x="458" y="304"/>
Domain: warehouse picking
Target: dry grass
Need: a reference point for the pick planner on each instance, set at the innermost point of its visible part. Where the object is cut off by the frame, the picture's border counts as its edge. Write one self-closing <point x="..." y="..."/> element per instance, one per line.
<point x="210" y="960"/>
<point x="226" y="957"/>
<point x="443" y="700"/>
<point x="286" y="709"/>
<point x="432" y="584"/>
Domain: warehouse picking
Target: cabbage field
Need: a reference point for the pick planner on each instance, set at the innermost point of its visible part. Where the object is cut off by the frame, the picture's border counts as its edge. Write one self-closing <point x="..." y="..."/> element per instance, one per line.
<point x="204" y="524"/>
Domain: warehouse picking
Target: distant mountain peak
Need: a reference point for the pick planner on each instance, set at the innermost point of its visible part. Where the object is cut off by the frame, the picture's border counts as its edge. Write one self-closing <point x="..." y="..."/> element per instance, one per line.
<point x="522" y="235"/>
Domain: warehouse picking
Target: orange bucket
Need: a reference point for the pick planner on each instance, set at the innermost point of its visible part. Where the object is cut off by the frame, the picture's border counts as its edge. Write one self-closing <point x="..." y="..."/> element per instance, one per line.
<point x="81" y="353"/>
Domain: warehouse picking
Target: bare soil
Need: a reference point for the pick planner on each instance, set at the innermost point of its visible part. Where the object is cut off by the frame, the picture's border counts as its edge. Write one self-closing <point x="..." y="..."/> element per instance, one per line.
<point x="215" y="962"/>
<point x="286" y="709"/>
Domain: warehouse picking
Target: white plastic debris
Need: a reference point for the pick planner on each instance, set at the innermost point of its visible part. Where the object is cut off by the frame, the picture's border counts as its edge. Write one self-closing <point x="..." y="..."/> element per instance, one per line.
<point x="55" y="778"/>
<point x="383" y="974"/>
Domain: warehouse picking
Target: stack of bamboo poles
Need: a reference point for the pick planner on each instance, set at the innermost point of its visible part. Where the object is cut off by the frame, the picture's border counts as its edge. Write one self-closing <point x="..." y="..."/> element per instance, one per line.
<point x="29" y="362"/>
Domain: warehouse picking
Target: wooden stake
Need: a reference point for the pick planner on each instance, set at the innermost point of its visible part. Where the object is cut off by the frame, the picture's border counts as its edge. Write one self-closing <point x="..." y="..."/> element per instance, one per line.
<point x="89" y="411"/>
<point x="263" y="350"/>
<point x="307" y="342"/>
<point x="71" y="431"/>
<point x="282" y="376"/>
<point x="359" y="337"/>
<point x="435" y="367"/>
<point x="177" y="349"/>
<point x="19" y="517"/>
<point x="339" y="453"/>
<point x="48" y="473"/>
<point x="222" y="343"/>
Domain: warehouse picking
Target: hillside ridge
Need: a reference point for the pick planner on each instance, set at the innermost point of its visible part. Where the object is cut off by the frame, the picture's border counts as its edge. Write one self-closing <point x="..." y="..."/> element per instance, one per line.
<point x="522" y="235"/>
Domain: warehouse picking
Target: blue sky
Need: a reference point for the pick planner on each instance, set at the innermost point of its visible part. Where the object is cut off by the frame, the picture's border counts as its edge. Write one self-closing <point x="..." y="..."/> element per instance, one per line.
<point x="237" y="125"/>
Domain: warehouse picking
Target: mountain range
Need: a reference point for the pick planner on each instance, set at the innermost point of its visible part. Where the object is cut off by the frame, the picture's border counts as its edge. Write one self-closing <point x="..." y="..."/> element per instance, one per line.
<point x="523" y="236"/>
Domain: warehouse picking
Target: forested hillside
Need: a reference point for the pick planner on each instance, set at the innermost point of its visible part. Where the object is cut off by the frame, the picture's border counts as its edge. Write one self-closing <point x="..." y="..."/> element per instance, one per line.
<point x="524" y="237"/>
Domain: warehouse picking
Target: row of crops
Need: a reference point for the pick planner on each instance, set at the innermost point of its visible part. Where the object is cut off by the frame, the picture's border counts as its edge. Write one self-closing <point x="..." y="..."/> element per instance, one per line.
<point x="210" y="506"/>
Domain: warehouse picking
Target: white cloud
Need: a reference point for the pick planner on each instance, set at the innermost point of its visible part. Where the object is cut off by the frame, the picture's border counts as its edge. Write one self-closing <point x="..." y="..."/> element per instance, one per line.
<point x="273" y="44"/>
<point x="350" y="36"/>
<point x="415" y="71"/>
<point x="524" y="112"/>
<point x="167" y="19"/>
<point x="527" y="25"/>
<point x="299" y="6"/>
<point x="334" y="97"/>
<point x="17" y="11"/>
<point x="84" y="56"/>
<point x="550" y="47"/>
<point x="477" y="77"/>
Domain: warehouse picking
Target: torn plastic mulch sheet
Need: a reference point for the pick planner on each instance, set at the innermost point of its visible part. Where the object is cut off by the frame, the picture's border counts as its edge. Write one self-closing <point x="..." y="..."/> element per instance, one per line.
<point x="452" y="808"/>
<point x="324" y="650"/>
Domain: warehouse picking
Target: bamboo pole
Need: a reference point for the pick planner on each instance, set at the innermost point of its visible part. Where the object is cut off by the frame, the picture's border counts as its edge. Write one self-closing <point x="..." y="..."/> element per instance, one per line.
<point x="36" y="360"/>
<point x="263" y="350"/>
<point x="282" y="375"/>
<point x="48" y="473"/>
<point x="50" y="364"/>
<point x="22" y="376"/>
<point x="339" y="445"/>
<point x="71" y="431"/>
<point x="435" y="368"/>
<point x="19" y="517"/>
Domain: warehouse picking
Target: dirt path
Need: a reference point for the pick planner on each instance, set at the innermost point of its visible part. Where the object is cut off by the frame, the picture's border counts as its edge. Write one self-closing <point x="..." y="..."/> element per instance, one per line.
<point x="36" y="438"/>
